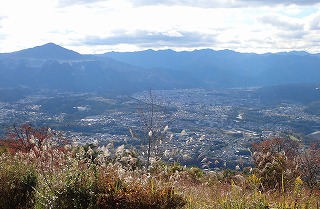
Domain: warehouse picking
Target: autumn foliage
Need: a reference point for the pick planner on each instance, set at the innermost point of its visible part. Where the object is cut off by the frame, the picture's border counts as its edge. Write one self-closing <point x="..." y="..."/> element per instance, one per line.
<point x="280" y="161"/>
<point x="40" y="169"/>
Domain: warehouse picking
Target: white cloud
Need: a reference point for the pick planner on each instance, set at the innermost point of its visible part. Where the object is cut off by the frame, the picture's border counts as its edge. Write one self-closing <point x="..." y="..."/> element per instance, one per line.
<point x="224" y="3"/>
<point x="198" y="3"/>
<point x="150" y="39"/>
<point x="65" y="3"/>
<point x="314" y="23"/>
<point x="282" y="22"/>
<point x="1" y="19"/>
<point x="101" y="25"/>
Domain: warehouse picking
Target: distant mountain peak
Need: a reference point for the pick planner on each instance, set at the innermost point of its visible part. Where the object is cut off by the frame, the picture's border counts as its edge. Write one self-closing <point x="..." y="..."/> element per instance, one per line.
<point x="297" y="53"/>
<point x="50" y="51"/>
<point x="51" y="44"/>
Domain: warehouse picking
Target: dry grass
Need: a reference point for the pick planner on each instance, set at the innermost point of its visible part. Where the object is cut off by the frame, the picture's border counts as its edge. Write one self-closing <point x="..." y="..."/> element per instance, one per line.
<point x="49" y="175"/>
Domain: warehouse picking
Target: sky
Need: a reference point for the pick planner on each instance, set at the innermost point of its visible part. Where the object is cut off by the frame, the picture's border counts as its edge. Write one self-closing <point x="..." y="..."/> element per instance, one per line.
<point x="99" y="26"/>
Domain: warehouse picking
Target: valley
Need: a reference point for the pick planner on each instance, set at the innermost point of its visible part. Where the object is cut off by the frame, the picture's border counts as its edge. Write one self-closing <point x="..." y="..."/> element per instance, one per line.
<point x="215" y="103"/>
<point x="218" y="125"/>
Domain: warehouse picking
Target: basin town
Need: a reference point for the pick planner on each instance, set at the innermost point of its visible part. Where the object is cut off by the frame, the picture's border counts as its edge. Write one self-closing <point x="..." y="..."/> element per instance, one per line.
<point x="213" y="127"/>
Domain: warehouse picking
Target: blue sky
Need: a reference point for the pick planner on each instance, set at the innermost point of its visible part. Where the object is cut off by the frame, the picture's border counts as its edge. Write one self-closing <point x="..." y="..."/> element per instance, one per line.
<point x="98" y="26"/>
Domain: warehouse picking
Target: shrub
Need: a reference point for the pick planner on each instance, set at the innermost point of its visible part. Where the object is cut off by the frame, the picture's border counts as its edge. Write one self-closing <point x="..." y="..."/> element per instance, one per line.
<point x="138" y="196"/>
<point x="310" y="166"/>
<point x="134" y="190"/>
<point x="47" y="175"/>
<point x="17" y="184"/>
<point x="77" y="190"/>
<point x="276" y="161"/>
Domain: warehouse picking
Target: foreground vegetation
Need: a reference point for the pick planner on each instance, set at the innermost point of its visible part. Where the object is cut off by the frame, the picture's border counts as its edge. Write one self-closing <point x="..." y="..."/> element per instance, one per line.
<point x="39" y="169"/>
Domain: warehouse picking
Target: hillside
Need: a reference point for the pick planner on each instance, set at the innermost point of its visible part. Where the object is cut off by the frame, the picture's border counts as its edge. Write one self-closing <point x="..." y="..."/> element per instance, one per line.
<point x="39" y="172"/>
<point x="53" y="67"/>
<point x="228" y="68"/>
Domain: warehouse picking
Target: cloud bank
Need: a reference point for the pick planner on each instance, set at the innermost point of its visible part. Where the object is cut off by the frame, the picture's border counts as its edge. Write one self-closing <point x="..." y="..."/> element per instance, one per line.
<point x="98" y="26"/>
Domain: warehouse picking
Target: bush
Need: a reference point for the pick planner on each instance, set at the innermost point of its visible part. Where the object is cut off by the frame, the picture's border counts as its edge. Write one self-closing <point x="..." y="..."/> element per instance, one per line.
<point x="140" y="196"/>
<point x="47" y="175"/>
<point x="134" y="190"/>
<point x="277" y="163"/>
<point x="17" y="184"/>
<point x="37" y="171"/>
<point x="77" y="190"/>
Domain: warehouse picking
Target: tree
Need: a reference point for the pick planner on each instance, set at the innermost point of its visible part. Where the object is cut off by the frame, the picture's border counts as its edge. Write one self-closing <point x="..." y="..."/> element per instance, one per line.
<point x="25" y="137"/>
<point x="155" y="123"/>
<point x="310" y="166"/>
<point x="276" y="161"/>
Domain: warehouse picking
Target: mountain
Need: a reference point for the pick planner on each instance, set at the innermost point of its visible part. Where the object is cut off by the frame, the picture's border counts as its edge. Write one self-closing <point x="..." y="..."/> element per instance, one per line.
<point x="297" y="93"/>
<point x="51" y="66"/>
<point x="48" y="51"/>
<point x="228" y="68"/>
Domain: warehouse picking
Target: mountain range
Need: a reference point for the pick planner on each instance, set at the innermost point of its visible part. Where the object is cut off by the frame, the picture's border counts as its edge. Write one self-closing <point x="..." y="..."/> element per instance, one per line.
<point x="51" y="66"/>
